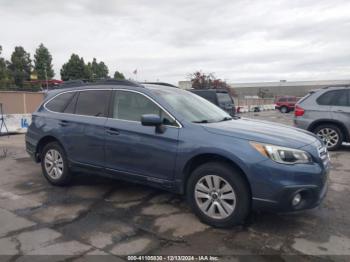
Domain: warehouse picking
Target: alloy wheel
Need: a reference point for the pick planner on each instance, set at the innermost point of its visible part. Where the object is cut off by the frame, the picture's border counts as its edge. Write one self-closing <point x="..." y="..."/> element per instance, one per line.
<point x="53" y="164"/>
<point x="215" y="197"/>
<point x="329" y="136"/>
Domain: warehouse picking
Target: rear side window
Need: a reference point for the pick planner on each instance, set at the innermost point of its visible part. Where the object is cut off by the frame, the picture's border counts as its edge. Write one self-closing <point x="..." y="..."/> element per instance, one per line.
<point x="305" y="97"/>
<point x="59" y="103"/>
<point x="210" y="96"/>
<point x="70" y="107"/>
<point x="282" y="99"/>
<point x="93" y="103"/>
<point x="334" y="98"/>
<point x="224" y="98"/>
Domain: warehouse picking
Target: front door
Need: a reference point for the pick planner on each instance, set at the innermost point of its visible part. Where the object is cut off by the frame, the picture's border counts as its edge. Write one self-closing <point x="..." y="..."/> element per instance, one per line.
<point x="135" y="149"/>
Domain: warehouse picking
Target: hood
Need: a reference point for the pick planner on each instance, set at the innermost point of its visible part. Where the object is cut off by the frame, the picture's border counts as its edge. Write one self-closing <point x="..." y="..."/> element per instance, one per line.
<point x="263" y="132"/>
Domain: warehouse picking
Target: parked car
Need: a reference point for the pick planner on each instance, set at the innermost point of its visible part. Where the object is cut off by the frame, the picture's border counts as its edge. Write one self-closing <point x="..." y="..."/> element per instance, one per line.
<point x="285" y="104"/>
<point x="219" y="97"/>
<point x="178" y="141"/>
<point x="326" y="112"/>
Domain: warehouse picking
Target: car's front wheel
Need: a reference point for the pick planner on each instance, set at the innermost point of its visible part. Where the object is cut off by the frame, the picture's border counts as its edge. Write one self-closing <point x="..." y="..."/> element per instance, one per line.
<point x="218" y="195"/>
<point x="331" y="136"/>
<point x="54" y="164"/>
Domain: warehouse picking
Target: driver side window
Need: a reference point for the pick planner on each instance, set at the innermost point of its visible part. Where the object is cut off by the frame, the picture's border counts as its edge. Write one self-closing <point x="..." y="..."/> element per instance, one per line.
<point x="131" y="106"/>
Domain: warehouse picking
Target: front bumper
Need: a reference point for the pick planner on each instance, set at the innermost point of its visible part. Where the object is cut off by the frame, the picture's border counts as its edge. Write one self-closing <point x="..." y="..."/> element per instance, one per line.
<point x="277" y="184"/>
<point x="311" y="196"/>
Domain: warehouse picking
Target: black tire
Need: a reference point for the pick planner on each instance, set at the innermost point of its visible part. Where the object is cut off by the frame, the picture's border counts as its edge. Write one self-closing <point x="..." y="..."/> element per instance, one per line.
<point x="65" y="176"/>
<point x="284" y="110"/>
<point x="238" y="184"/>
<point x="334" y="128"/>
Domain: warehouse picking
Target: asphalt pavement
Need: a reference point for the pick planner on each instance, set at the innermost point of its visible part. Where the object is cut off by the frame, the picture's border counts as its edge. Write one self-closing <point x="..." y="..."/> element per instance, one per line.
<point x="99" y="216"/>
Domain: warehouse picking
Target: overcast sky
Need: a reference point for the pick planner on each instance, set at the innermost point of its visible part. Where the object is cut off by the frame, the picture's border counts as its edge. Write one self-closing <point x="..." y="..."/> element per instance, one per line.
<point x="240" y="41"/>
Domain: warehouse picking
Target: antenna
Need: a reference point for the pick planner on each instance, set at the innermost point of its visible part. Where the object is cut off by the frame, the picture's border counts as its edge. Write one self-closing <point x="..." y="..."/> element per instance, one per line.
<point x="2" y="120"/>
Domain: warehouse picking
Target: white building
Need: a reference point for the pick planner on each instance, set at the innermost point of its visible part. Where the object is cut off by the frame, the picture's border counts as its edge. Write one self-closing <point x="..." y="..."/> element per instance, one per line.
<point x="272" y="89"/>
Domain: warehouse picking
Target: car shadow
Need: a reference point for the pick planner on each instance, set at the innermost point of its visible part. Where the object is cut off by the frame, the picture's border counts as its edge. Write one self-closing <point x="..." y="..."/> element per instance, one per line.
<point x="262" y="220"/>
<point x="344" y="148"/>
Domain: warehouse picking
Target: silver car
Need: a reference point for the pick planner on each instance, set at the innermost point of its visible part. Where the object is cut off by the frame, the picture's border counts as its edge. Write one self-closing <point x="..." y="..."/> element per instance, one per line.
<point x="326" y="112"/>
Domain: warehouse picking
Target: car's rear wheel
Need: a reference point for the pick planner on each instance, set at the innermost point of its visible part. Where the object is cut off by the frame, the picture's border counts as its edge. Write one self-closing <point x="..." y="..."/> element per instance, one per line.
<point x="218" y="195"/>
<point x="55" y="165"/>
<point x="284" y="109"/>
<point x="331" y="136"/>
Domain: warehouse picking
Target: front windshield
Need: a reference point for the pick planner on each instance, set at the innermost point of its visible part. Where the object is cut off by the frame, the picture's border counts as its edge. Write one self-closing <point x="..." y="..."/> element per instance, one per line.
<point x="193" y="107"/>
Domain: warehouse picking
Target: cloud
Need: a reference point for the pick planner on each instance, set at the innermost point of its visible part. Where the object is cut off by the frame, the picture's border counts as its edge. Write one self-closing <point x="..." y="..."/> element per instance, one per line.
<point x="238" y="40"/>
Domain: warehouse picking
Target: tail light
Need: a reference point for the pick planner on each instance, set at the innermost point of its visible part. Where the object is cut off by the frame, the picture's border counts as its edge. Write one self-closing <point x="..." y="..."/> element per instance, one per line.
<point x="299" y="111"/>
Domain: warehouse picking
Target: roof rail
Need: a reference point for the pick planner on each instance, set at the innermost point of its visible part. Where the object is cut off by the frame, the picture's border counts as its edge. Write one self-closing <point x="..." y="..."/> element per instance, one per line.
<point x="84" y="82"/>
<point x="71" y="83"/>
<point x="211" y="89"/>
<point x="335" y="86"/>
<point x="160" y="83"/>
<point x="116" y="82"/>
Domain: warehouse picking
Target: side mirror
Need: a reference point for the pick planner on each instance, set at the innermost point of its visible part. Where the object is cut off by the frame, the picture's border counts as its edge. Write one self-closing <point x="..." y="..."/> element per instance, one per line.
<point x="153" y="120"/>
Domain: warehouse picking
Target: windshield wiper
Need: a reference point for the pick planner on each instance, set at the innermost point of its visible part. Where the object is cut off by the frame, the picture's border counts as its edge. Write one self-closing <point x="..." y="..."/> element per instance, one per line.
<point x="201" y="121"/>
<point x="226" y="118"/>
<point x="205" y="121"/>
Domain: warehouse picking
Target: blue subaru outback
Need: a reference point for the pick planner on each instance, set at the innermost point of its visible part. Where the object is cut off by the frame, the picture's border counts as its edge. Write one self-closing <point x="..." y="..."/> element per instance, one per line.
<point x="175" y="140"/>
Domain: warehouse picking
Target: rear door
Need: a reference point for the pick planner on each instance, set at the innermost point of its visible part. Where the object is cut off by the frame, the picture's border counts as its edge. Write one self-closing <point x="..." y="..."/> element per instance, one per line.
<point x="88" y="121"/>
<point x="134" y="149"/>
<point x="319" y="108"/>
<point x="61" y="122"/>
<point x="341" y="106"/>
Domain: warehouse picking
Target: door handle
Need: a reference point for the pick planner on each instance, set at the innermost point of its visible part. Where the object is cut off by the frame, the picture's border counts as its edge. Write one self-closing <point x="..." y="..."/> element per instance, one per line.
<point x="340" y="111"/>
<point x="112" y="131"/>
<point x="63" y="123"/>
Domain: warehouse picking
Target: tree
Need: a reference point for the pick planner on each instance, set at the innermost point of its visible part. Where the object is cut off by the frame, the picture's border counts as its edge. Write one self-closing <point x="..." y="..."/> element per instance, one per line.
<point x="102" y="70"/>
<point x="201" y="80"/>
<point x="20" y="66"/>
<point x="3" y="67"/>
<point x="118" y="75"/>
<point x="74" y="69"/>
<point x="43" y="63"/>
<point x="99" y="70"/>
<point x="6" y="80"/>
<point x="88" y="72"/>
<point x="95" y="70"/>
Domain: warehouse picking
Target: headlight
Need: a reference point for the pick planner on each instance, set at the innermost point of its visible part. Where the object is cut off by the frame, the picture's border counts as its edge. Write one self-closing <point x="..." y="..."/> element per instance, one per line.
<point x="283" y="155"/>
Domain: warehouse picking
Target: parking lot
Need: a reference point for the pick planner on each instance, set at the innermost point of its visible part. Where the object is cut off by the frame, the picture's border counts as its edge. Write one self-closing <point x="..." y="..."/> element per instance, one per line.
<point x="108" y="217"/>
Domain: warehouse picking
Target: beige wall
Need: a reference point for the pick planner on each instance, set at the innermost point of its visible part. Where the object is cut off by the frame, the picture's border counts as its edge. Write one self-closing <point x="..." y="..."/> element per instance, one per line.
<point x="28" y="102"/>
<point x="20" y="102"/>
